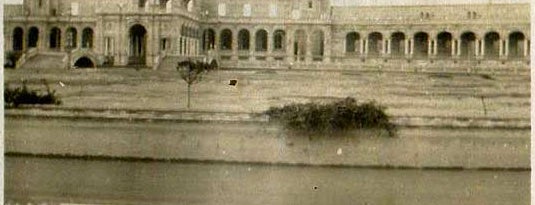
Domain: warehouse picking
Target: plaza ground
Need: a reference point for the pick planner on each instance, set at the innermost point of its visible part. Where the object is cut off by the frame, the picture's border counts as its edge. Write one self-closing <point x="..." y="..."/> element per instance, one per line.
<point x="402" y="93"/>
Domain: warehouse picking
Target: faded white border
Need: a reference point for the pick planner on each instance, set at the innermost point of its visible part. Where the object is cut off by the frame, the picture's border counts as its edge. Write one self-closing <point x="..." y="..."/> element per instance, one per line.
<point x="2" y="104"/>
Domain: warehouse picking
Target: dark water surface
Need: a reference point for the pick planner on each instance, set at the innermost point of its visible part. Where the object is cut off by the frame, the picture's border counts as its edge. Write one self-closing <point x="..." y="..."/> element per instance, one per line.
<point x="55" y="181"/>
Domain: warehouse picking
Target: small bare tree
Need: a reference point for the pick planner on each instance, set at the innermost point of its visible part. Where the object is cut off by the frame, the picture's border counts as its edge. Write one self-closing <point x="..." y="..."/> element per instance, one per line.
<point x="192" y="72"/>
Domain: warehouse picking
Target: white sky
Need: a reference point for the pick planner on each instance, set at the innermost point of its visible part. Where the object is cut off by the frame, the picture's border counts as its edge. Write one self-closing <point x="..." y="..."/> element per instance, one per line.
<point x="12" y="1"/>
<point x="392" y="2"/>
<point x="421" y="2"/>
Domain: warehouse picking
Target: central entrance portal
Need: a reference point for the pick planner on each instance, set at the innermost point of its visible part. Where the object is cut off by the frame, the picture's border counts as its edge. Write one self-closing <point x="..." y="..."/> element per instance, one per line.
<point x="138" y="42"/>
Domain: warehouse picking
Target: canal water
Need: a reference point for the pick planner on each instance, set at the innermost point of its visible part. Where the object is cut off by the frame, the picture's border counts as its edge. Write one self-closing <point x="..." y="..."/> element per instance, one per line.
<point x="72" y="181"/>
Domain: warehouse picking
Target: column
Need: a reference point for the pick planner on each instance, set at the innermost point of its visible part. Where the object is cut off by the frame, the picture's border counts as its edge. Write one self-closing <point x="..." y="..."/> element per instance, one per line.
<point x="526" y="47"/>
<point x="270" y="45"/>
<point x="361" y="45"/>
<point x="482" y="53"/>
<point x="234" y="45"/>
<point x="458" y="45"/>
<point x="412" y="46"/>
<point x="453" y="47"/>
<point x="389" y="47"/>
<point x="407" y="46"/>
<point x="435" y="47"/>
<point x="506" y="47"/>
<point x="502" y="49"/>
<point x="252" y="43"/>
<point x="308" y="54"/>
<point x="366" y="47"/>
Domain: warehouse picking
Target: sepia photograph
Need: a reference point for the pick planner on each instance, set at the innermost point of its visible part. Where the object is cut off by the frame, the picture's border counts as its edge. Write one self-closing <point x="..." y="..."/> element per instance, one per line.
<point x="274" y="102"/>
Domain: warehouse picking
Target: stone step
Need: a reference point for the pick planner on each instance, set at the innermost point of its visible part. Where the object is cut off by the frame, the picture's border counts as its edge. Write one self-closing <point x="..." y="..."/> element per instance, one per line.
<point x="46" y="61"/>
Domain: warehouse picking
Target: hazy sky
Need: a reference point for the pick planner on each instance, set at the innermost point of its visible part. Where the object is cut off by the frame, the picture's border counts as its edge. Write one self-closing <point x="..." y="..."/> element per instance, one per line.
<point x="12" y="1"/>
<point x="392" y="2"/>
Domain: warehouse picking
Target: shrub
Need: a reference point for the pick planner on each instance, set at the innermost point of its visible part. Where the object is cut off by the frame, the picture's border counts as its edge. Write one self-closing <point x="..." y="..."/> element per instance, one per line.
<point x="13" y="97"/>
<point x="343" y="115"/>
<point x="11" y="59"/>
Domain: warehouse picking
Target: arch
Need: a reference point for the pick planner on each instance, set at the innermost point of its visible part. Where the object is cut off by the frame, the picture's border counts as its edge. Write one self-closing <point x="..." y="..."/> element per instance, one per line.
<point x="87" y="38"/>
<point x="18" y="39"/>
<point x="375" y="43"/>
<point x="243" y="39"/>
<point x="492" y="45"/>
<point x="55" y="38"/>
<point x="468" y="44"/>
<point x="138" y="41"/>
<point x="397" y="44"/>
<point x="516" y="44"/>
<point x="84" y="62"/>
<point x="72" y="38"/>
<point x="300" y="39"/>
<point x="279" y="40"/>
<point x="318" y="44"/>
<point x="226" y="39"/>
<point x="261" y="40"/>
<point x="352" y="42"/>
<point x="163" y="3"/>
<point x="33" y="37"/>
<point x="208" y="39"/>
<point x="444" y="44"/>
<point x="421" y="43"/>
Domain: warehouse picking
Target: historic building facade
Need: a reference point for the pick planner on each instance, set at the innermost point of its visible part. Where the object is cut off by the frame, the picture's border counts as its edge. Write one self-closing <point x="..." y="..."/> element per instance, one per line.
<point x="271" y="33"/>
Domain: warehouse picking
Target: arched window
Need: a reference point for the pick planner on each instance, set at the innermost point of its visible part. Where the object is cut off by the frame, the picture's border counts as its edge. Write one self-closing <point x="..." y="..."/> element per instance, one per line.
<point x="352" y="42"/>
<point x="243" y="39"/>
<point x="55" y="38"/>
<point x="318" y="45"/>
<point x="261" y="39"/>
<point x="87" y="38"/>
<point x="397" y="44"/>
<point x="516" y="44"/>
<point x="468" y="45"/>
<point x="279" y="38"/>
<point x="444" y="44"/>
<point x="33" y="37"/>
<point x="375" y="43"/>
<point x="72" y="38"/>
<point x="421" y="43"/>
<point x="492" y="45"/>
<point x="226" y="39"/>
<point x="18" y="39"/>
<point x="208" y="40"/>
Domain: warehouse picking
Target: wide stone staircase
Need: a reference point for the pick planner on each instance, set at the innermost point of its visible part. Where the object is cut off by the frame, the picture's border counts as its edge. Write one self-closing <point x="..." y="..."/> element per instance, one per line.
<point x="46" y="61"/>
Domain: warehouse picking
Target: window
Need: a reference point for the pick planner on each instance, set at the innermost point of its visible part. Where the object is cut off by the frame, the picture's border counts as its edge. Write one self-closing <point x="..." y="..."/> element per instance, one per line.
<point x="163" y="44"/>
<point x="273" y="11"/>
<point x="222" y="9"/>
<point x="40" y="3"/>
<point x="310" y="5"/>
<point x="247" y="10"/>
<point x="163" y="4"/>
<point x="75" y="8"/>
<point x="141" y="3"/>
<point x="53" y="12"/>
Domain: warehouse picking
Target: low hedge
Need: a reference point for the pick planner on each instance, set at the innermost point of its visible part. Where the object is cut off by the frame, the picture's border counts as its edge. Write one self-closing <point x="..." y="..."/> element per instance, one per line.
<point x="343" y="115"/>
<point x="13" y="97"/>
